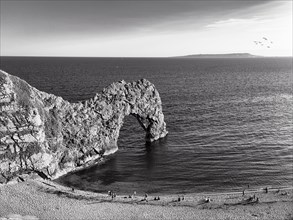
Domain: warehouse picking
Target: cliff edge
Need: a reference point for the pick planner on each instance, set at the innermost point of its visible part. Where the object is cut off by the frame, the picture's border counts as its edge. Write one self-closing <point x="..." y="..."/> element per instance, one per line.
<point x="42" y="133"/>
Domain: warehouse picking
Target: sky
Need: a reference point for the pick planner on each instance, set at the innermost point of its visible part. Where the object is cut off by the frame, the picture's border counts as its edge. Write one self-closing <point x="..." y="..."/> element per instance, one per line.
<point x="145" y="28"/>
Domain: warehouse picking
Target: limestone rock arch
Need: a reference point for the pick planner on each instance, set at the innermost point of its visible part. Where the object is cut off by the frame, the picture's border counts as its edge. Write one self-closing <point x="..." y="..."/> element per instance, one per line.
<point x="40" y="132"/>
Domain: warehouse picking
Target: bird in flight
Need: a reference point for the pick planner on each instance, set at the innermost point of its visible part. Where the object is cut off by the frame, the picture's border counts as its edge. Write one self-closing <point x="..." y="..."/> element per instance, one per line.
<point x="265" y="42"/>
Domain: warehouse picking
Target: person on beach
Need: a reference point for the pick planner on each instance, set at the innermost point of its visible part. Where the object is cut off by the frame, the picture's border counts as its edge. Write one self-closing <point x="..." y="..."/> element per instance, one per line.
<point x="205" y="200"/>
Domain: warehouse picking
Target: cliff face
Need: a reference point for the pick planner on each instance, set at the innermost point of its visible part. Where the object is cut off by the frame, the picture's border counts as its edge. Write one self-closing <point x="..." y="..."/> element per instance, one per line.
<point x="43" y="133"/>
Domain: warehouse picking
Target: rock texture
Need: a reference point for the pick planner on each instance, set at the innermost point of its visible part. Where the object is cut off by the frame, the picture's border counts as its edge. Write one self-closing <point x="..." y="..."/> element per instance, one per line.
<point x="42" y="133"/>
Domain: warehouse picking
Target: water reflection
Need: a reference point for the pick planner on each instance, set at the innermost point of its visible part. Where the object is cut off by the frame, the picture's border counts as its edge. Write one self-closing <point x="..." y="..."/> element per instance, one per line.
<point x="152" y="153"/>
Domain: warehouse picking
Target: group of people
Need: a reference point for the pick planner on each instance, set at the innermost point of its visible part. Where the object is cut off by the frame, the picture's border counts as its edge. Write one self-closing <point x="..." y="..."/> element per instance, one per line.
<point x="112" y="194"/>
<point x="250" y="199"/>
<point x="156" y="198"/>
<point x="180" y="198"/>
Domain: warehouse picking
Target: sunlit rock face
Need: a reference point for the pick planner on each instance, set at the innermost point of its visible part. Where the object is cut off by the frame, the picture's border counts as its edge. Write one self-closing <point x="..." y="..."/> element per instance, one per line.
<point x="42" y="133"/>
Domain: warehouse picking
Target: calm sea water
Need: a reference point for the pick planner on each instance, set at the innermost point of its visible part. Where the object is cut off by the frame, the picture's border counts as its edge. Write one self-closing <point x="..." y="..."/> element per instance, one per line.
<point x="230" y="121"/>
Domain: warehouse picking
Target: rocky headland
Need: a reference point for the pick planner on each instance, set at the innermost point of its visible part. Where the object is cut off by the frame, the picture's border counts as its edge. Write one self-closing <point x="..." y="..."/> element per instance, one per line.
<point x="228" y="55"/>
<point x="45" y="134"/>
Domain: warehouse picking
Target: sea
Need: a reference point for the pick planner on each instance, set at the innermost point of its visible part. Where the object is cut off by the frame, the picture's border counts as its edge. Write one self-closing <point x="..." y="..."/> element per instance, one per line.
<point x="230" y="121"/>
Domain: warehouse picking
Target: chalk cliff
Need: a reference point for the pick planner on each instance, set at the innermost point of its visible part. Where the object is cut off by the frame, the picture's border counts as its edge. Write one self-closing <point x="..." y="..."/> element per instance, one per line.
<point x="42" y="133"/>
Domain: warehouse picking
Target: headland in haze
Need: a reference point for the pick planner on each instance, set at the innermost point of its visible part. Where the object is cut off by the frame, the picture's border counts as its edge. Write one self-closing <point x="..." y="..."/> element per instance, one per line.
<point x="228" y="55"/>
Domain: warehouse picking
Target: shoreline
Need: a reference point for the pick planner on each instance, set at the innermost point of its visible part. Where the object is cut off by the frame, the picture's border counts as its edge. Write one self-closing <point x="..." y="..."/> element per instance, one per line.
<point x="44" y="199"/>
<point x="256" y="189"/>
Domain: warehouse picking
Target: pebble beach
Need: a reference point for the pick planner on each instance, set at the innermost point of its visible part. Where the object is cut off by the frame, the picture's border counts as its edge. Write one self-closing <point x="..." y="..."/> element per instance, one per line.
<point x="44" y="199"/>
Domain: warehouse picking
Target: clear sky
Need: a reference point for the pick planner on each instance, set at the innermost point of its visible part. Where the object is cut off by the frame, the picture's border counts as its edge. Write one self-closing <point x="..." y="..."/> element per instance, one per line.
<point x="145" y="28"/>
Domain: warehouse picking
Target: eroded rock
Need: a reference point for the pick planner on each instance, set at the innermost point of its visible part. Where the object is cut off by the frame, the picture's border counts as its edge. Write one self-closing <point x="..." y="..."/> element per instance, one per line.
<point x="40" y="132"/>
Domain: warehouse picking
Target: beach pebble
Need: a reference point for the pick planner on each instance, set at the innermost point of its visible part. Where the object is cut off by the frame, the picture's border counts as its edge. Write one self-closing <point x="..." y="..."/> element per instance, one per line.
<point x="19" y="217"/>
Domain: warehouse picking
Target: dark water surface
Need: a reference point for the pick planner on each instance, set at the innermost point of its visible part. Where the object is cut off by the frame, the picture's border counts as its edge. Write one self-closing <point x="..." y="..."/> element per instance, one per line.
<point x="230" y="121"/>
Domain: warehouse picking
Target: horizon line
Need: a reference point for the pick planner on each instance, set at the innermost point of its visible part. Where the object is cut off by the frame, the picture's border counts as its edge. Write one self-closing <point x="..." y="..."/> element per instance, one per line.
<point x="179" y="56"/>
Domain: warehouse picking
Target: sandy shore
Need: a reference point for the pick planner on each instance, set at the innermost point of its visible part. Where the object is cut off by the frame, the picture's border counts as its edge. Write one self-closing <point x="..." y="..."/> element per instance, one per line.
<point x="42" y="199"/>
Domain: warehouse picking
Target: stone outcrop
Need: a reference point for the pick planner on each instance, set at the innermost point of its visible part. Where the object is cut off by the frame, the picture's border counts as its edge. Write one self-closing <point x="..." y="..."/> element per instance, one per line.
<point x="42" y="133"/>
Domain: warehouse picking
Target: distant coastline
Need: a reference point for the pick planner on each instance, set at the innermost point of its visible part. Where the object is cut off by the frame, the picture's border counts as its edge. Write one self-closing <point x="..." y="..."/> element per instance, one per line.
<point x="228" y="55"/>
